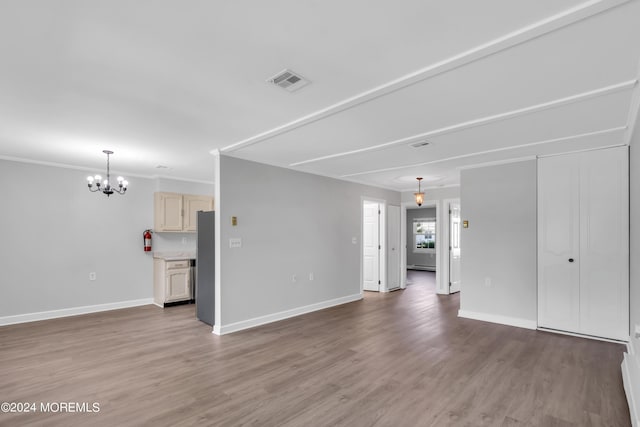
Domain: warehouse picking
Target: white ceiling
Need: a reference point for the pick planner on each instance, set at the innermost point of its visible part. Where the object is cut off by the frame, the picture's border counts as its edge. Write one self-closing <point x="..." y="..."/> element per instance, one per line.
<point x="164" y="82"/>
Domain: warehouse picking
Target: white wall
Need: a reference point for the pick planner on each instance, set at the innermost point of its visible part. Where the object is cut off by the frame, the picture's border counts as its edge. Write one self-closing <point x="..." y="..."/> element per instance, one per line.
<point x="499" y="247"/>
<point x="290" y="223"/>
<point x="184" y="187"/>
<point x="433" y="194"/>
<point x="54" y="232"/>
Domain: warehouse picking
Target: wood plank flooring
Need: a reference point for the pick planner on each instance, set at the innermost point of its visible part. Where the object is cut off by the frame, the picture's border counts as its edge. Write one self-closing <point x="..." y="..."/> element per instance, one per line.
<point x="398" y="359"/>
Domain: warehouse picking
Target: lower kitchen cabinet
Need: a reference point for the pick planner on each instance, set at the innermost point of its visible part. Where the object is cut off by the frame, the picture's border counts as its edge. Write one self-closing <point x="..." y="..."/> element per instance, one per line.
<point x="172" y="281"/>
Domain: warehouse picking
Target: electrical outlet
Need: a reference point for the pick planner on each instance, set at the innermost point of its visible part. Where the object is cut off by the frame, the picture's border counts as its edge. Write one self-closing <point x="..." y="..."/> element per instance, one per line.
<point x="92" y="275"/>
<point x="354" y="240"/>
<point x="294" y="278"/>
<point x="487" y="282"/>
<point x="311" y="276"/>
<point x="235" y="242"/>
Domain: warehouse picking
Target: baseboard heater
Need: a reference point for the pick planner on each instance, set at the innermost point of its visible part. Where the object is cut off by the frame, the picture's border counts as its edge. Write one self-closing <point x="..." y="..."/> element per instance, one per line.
<point x="422" y="267"/>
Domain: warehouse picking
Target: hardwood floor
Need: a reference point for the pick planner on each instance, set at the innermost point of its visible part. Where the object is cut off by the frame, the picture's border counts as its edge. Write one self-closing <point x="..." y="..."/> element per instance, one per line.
<point x="397" y="359"/>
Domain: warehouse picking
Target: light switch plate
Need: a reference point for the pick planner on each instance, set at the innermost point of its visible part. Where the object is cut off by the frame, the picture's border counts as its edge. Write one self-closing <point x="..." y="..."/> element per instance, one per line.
<point x="235" y="242"/>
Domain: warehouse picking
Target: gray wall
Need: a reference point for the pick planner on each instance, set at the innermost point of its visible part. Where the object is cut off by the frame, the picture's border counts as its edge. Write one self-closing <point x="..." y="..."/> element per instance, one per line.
<point x="290" y="223"/>
<point x="499" y="247"/>
<point x="54" y="232"/>
<point x="421" y="259"/>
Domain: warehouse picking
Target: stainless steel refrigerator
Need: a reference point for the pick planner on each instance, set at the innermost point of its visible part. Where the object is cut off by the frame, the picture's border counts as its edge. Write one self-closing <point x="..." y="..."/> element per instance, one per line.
<point x="205" y="267"/>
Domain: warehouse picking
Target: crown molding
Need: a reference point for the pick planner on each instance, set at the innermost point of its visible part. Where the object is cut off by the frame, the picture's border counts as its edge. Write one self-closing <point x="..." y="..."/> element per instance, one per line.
<point x="89" y="169"/>
<point x="498" y="162"/>
<point x="519" y="36"/>
<point x="495" y="150"/>
<point x="178" y="178"/>
<point x="634" y="112"/>
<point x="584" y="150"/>
<point x="433" y="187"/>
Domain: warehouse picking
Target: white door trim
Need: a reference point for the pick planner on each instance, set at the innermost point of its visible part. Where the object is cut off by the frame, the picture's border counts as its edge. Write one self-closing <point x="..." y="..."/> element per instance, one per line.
<point x="445" y="248"/>
<point x="382" y="239"/>
<point x="440" y="258"/>
<point x="393" y="250"/>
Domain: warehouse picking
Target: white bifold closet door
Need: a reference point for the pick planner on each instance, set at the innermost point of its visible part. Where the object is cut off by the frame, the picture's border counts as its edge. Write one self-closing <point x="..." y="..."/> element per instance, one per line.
<point x="583" y="243"/>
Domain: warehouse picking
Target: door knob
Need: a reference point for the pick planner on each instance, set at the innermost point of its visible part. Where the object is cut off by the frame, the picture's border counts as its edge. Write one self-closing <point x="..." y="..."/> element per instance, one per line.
<point x="570" y="259"/>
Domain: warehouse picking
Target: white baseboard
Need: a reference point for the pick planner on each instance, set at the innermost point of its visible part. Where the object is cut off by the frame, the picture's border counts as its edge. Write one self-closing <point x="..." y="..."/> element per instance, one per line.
<point x="269" y="318"/>
<point x="503" y="320"/>
<point x="421" y="267"/>
<point x="74" y="311"/>
<point x="631" y="382"/>
<point x="589" y="337"/>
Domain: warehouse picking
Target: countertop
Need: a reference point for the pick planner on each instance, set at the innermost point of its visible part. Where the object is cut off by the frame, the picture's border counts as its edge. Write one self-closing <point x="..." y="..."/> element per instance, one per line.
<point x="172" y="256"/>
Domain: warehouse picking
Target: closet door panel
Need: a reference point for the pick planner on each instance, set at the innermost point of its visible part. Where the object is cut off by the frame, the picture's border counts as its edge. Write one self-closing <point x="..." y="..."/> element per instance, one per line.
<point x="558" y="243"/>
<point x="604" y="243"/>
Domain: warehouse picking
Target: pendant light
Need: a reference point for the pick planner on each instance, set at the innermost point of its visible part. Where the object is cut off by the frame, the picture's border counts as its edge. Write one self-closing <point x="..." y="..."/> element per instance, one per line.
<point x="105" y="186"/>
<point x="420" y="194"/>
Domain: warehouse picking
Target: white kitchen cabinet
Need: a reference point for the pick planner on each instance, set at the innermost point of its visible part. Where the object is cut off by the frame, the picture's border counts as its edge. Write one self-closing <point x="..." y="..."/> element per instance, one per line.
<point x="192" y="205"/>
<point x="168" y="209"/>
<point x="583" y="243"/>
<point x="172" y="281"/>
<point x="174" y="212"/>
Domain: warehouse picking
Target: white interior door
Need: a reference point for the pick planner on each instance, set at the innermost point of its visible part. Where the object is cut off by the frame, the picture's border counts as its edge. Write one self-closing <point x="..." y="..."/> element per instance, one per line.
<point x="393" y="242"/>
<point x="604" y="243"/>
<point x="558" y="243"/>
<point x="583" y="246"/>
<point x="371" y="246"/>
<point x="454" y="247"/>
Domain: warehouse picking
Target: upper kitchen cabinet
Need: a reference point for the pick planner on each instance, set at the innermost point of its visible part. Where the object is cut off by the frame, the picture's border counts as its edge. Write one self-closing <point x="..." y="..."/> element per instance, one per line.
<point x="177" y="212"/>
<point x="193" y="204"/>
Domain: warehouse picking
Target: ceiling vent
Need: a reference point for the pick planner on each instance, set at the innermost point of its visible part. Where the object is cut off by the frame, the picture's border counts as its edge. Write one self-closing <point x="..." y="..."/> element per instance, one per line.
<point x="288" y="80"/>
<point x="419" y="144"/>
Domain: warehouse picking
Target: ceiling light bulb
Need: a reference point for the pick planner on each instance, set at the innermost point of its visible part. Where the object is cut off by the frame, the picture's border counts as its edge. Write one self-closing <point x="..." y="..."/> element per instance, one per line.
<point x="125" y="183"/>
<point x="90" y="179"/>
<point x="120" y="179"/>
<point x="98" y="178"/>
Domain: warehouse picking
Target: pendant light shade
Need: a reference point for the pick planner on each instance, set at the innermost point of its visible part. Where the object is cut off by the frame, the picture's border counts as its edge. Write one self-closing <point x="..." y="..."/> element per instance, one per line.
<point x="420" y="194"/>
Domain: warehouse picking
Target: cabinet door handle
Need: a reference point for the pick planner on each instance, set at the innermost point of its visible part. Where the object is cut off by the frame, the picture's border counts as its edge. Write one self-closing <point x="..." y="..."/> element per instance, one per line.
<point x="570" y="259"/>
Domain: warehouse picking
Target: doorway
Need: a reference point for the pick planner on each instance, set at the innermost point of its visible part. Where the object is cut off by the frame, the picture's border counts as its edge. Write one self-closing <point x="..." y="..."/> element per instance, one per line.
<point x="442" y="238"/>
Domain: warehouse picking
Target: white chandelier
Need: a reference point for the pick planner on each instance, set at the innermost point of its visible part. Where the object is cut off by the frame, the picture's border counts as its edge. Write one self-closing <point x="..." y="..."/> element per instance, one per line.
<point x="97" y="184"/>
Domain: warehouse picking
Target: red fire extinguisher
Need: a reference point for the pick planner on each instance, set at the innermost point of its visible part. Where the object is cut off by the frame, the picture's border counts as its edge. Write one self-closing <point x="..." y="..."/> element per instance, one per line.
<point x="146" y="235"/>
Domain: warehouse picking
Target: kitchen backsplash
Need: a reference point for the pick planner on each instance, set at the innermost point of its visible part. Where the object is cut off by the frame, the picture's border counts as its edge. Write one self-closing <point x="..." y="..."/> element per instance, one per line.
<point x="170" y="242"/>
